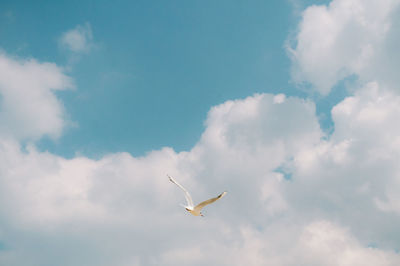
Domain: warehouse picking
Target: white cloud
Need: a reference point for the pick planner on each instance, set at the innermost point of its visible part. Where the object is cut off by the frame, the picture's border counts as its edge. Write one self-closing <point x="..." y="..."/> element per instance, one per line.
<point x="317" y="243"/>
<point x="77" y="183"/>
<point x="323" y="243"/>
<point x="121" y="209"/>
<point x="29" y="107"/>
<point x="347" y="37"/>
<point x="46" y="194"/>
<point x="369" y="119"/>
<point x="295" y="196"/>
<point x="78" y="40"/>
<point x="354" y="176"/>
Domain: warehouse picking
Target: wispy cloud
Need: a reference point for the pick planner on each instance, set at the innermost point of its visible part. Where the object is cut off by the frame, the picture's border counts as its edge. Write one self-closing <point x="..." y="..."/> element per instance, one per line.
<point x="78" y="40"/>
<point x="8" y="16"/>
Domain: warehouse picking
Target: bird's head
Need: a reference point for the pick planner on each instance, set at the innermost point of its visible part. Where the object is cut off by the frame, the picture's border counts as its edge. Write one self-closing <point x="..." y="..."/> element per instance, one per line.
<point x="201" y="214"/>
<point x="187" y="209"/>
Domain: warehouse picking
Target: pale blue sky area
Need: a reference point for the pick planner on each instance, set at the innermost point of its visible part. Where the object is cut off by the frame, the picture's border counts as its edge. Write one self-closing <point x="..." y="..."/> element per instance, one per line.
<point x="156" y="67"/>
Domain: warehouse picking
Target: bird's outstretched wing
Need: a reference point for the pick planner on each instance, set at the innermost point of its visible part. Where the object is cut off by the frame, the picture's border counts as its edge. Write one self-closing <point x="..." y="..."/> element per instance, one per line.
<point x="206" y="202"/>
<point x="187" y="195"/>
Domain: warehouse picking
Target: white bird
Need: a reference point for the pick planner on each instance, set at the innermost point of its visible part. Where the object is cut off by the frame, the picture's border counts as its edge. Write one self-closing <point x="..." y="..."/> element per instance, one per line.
<point x="195" y="210"/>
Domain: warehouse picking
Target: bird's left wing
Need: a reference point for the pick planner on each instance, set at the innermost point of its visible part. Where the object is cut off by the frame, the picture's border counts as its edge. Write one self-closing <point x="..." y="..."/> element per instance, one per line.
<point x="187" y="195"/>
<point x="206" y="202"/>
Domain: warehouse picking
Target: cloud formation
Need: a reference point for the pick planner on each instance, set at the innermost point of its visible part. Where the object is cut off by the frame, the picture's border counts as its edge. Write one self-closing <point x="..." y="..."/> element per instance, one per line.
<point x="295" y="195"/>
<point x="78" y="40"/>
<point x="347" y="37"/>
<point x="124" y="210"/>
<point x="29" y="108"/>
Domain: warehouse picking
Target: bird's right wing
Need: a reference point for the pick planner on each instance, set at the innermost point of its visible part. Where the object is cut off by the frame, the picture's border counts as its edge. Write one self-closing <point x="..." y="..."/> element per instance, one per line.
<point x="187" y="195"/>
<point x="206" y="202"/>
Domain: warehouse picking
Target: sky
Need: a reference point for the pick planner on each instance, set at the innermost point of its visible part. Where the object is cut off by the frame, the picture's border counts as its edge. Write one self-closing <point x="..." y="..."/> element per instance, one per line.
<point x="290" y="106"/>
<point x="160" y="65"/>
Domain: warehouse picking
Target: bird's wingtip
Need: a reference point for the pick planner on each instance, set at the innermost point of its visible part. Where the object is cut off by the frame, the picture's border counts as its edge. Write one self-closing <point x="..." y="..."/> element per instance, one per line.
<point x="170" y="178"/>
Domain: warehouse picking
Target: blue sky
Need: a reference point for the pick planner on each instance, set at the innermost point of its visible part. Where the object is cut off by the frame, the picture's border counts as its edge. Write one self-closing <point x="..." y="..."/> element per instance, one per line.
<point x="156" y="68"/>
<point x="290" y="106"/>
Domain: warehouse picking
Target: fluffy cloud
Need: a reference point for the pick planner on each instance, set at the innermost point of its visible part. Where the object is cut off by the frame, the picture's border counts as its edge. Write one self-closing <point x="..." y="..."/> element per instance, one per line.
<point x="354" y="176"/>
<point x="131" y="200"/>
<point x="29" y="107"/>
<point x="347" y="37"/>
<point x="251" y="138"/>
<point x="370" y="118"/>
<point x="317" y="243"/>
<point x="78" y="40"/>
<point x="123" y="210"/>
<point x="225" y="150"/>
<point x="295" y="195"/>
<point x="323" y="243"/>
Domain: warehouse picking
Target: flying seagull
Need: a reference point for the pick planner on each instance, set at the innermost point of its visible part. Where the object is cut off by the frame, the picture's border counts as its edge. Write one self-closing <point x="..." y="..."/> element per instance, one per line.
<point x="195" y="210"/>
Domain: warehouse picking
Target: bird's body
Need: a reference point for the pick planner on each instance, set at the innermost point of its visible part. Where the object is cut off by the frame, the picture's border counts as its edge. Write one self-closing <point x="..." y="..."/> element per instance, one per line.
<point x="195" y="210"/>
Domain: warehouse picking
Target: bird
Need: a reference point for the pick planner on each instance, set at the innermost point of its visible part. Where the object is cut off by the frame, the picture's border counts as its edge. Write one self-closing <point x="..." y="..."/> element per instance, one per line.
<point x="195" y="210"/>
